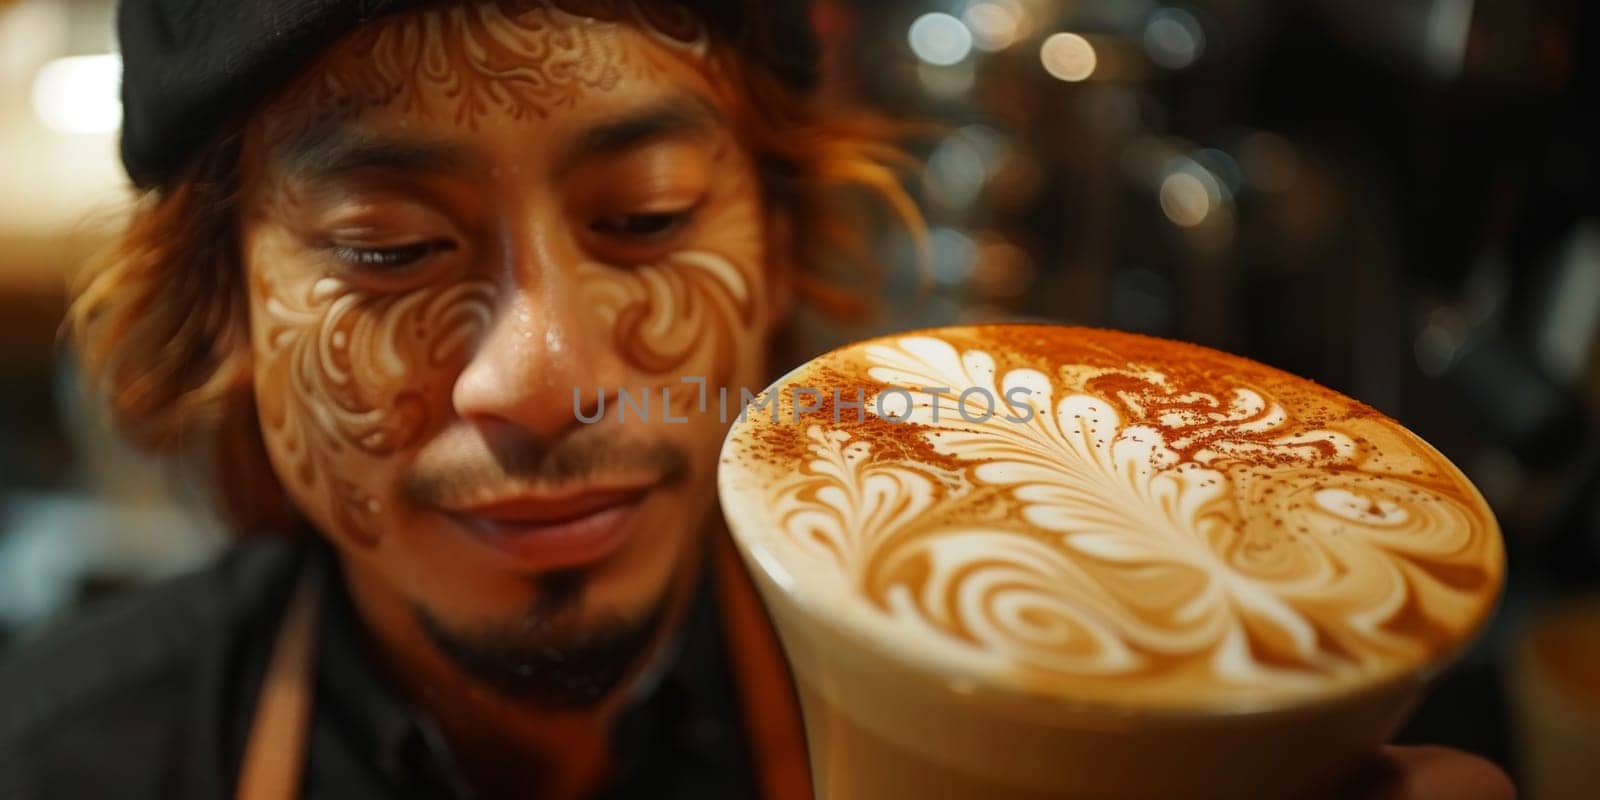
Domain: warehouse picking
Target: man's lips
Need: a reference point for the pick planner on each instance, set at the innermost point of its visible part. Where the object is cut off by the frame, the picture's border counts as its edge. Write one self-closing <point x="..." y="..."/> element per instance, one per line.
<point x="551" y="530"/>
<point x="545" y="509"/>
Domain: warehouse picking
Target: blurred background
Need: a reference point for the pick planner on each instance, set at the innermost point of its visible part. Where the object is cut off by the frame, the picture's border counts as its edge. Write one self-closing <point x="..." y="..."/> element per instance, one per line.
<point x="1397" y="199"/>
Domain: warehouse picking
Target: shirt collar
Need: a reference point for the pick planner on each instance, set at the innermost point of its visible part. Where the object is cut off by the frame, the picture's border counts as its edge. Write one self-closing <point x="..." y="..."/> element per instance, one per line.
<point x="684" y="731"/>
<point x="398" y="741"/>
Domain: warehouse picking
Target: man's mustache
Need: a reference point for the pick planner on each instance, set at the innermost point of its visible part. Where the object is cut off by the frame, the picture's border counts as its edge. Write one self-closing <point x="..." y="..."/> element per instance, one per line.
<point x="511" y="461"/>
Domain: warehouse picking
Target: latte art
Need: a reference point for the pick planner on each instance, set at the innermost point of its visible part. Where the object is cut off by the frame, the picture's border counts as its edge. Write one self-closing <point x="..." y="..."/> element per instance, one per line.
<point x="1170" y="526"/>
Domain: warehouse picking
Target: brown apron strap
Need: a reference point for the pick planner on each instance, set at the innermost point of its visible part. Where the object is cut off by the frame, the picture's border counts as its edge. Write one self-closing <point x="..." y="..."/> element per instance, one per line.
<point x="274" y="754"/>
<point x="771" y="710"/>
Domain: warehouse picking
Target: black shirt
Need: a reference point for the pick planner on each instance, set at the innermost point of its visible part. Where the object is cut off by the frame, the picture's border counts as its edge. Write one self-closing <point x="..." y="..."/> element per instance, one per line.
<point x="152" y="696"/>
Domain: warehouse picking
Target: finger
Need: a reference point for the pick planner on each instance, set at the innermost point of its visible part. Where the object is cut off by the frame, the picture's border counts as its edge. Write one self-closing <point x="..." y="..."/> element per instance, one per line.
<point x="1433" y="773"/>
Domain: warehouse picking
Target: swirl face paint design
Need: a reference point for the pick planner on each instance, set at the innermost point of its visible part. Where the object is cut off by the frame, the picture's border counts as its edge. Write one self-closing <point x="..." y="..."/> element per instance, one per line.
<point x="352" y="373"/>
<point x="694" y="312"/>
<point x="663" y="316"/>
<point x="516" y="59"/>
<point x="1171" y="525"/>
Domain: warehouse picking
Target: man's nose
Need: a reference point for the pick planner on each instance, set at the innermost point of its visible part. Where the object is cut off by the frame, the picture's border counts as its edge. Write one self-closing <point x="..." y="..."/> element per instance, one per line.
<point x="541" y="363"/>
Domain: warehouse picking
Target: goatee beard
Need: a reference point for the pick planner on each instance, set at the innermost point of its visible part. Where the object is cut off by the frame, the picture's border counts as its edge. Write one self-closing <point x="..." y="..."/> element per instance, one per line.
<point x="550" y="659"/>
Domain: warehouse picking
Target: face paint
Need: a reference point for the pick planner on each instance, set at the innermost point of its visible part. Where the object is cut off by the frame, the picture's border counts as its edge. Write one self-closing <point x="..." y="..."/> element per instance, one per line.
<point x="347" y="372"/>
<point x="690" y="310"/>
<point x="468" y="63"/>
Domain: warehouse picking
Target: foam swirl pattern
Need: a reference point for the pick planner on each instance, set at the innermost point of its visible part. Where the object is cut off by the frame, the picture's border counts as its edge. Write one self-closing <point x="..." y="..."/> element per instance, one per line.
<point x="1150" y="523"/>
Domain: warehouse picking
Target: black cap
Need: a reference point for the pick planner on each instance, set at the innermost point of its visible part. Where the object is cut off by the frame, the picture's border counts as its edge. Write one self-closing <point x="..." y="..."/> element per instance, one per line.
<point x="189" y="66"/>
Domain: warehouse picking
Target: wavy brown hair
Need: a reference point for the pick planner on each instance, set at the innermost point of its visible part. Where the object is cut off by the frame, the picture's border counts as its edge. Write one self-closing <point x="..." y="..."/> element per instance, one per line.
<point x="159" y="318"/>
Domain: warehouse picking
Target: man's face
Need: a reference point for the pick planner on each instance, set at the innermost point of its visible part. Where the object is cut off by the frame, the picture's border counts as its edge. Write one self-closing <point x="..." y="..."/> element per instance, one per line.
<point x="459" y="217"/>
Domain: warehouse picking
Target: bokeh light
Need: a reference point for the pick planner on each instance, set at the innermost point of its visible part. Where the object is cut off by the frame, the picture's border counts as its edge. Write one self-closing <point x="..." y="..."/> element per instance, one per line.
<point x="1190" y="193"/>
<point x="995" y="25"/>
<point x="1067" y="56"/>
<point x="1173" y="38"/>
<point x="79" y="94"/>
<point x="962" y="163"/>
<point x="940" y="39"/>
<point x="1184" y="199"/>
<point x="954" y="255"/>
<point x="1223" y="166"/>
<point x="1004" y="270"/>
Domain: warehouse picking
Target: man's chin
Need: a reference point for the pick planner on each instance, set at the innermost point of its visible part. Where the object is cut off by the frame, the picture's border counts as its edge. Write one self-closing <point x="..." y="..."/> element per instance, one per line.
<point x="554" y="656"/>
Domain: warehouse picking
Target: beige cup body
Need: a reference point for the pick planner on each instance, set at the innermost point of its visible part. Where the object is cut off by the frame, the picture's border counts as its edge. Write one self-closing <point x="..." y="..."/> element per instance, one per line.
<point x="878" y="729"/>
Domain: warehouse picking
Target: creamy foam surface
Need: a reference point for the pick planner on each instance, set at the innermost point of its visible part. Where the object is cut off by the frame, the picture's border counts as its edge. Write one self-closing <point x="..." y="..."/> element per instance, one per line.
<point x="1170" y="527"/>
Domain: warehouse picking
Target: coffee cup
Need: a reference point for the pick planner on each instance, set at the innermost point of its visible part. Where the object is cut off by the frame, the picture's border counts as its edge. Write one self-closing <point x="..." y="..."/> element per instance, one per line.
<point x="1026" y="561"/>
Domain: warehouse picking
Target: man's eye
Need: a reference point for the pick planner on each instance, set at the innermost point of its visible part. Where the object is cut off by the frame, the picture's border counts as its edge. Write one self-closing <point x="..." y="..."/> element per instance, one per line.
<point x="388" y="257"/>
<point x="641" y="226"/>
